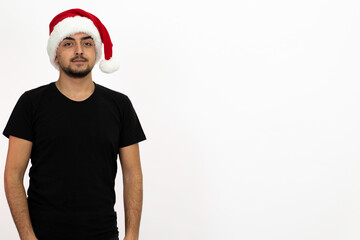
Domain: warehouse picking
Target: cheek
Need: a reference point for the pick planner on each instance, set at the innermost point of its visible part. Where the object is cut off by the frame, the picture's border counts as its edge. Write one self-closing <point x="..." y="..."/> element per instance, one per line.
<point x="93" y="55"/>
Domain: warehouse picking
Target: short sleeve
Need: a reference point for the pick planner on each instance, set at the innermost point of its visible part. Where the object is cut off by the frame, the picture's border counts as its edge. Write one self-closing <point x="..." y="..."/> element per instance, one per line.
<point x="131" y="131"/>
<point x="20" y="121"/>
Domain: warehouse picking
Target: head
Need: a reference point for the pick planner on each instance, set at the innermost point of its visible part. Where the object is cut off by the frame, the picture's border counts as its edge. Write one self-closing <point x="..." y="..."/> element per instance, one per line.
<point x="76" y="55"/>
<point x="72" y="25"/>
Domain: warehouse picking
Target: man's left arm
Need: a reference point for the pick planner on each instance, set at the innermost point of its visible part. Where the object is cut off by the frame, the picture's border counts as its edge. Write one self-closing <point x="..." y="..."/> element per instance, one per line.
<point x="133" y="189"/>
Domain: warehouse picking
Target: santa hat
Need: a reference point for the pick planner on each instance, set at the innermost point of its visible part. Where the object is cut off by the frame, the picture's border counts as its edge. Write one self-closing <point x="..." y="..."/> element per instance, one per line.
<point x="77" y="20"/>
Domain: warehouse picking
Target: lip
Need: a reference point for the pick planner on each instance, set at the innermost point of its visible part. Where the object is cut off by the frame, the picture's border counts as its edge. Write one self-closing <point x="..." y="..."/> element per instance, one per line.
<point x="78" y="61"/>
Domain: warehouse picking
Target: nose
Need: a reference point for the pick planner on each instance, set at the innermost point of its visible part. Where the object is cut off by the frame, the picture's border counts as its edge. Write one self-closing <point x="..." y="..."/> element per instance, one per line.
<point x="78" y="49"/>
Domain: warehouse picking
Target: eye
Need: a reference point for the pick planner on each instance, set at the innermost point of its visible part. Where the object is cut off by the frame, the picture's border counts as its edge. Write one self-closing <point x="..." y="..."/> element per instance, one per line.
<point x="66" y="44"/>
<point x="89" y="44"/>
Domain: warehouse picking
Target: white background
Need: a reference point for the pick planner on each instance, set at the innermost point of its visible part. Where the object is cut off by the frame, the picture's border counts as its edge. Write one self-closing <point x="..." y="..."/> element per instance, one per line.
<point x="250" y="108"/>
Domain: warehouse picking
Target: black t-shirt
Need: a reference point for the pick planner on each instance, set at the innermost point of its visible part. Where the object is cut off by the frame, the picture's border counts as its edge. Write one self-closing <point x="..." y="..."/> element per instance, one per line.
<point x="71" y="192"/>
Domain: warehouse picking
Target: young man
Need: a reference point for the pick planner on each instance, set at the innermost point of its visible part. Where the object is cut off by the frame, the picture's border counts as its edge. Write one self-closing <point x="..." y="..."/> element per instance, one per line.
<point x="73" y="129"/>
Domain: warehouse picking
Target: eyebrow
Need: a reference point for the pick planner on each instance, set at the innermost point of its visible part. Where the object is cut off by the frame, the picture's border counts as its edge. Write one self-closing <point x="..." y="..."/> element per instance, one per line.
<point x="70" y="38"/>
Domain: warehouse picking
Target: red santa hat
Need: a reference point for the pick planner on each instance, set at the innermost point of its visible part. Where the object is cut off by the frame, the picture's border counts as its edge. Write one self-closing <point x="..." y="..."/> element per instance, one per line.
<point x="77" y="20"/>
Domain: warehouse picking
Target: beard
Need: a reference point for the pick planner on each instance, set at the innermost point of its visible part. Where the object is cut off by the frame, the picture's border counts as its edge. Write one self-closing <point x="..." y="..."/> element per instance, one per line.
<point x="76" y="73"/>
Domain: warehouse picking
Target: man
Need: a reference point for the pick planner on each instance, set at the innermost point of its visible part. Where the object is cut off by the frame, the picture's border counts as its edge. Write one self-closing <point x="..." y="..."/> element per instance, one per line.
<point x="73" y="129"/>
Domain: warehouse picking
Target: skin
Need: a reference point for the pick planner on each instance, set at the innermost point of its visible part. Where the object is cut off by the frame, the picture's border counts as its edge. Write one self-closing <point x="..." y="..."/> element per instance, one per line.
<point x="75" y="79"/>
<point x="18" y="155"/>
<point x="75" y="82"/>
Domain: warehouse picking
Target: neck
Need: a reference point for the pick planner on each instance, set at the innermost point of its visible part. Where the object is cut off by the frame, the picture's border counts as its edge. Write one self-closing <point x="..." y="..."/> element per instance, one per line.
<point x="75" y="88"/>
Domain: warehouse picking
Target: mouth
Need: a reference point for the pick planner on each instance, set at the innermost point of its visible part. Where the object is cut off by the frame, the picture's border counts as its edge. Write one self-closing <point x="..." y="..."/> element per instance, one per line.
<point x="79" y="60"/>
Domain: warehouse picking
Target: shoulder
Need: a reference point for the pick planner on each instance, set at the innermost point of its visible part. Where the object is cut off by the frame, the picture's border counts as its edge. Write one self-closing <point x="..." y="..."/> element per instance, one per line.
<point x="35" y="96"/>
<point x="117" y="96"/>
<point x="37" y="93"/>
<point x="33" y="92"/>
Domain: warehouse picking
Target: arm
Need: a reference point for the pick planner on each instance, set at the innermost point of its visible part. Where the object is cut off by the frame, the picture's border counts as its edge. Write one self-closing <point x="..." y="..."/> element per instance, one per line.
<point x="133" y="189"/>
<point x="16" y="163"/>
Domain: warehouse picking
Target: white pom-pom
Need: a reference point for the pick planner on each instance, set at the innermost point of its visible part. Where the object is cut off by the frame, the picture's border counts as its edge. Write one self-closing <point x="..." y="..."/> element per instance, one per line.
<point x="109" y="66"/>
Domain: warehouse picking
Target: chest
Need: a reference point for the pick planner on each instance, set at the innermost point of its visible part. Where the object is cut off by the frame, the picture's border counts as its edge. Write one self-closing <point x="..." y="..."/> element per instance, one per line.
<point x="77" y="128"/>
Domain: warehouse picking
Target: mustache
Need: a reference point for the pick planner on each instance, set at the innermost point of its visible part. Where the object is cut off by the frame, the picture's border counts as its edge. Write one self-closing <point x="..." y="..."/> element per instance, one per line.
<point x="79" y="58"/>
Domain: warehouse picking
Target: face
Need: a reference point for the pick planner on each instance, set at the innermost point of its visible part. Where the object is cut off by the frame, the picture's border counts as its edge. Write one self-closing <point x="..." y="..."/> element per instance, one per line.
<point x="76" y="55"/>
